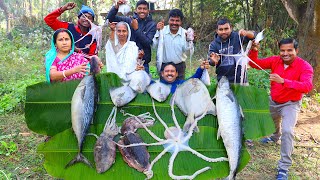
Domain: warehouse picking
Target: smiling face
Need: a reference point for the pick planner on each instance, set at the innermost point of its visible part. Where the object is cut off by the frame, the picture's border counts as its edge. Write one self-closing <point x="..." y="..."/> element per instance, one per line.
<point x="83" y="21"/>
<point x="288" y="53"/>
<point x="224" y="31"/>
<point x="63" y="42"/>
<point x="174" y="24"/>
<point x="122" y="32"/>
<point x="169" y="73"/>
<point x="142" y="11"/>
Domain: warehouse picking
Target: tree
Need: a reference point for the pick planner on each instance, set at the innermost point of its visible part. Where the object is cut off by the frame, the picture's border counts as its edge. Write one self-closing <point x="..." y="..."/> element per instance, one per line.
<point x="6" y="14"/>
<point x="307" y="15"/>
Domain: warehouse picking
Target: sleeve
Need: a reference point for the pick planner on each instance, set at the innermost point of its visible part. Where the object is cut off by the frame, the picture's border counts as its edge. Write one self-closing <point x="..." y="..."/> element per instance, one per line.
<point x="304" y="84"/>
<point x="112" y="16"/>
<point x="256" y="63"/>
<point x="198" y="73"/>
<point x="52" y="20"/>
<point x="146" y="39"/>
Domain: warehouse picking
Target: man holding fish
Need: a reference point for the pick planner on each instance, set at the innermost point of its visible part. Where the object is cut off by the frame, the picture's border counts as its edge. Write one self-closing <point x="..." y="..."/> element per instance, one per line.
<point x="290" y="78"/>
<point x="223" y="48"/>
<point x="142" y="26"/>
<point x="175" y="44"/>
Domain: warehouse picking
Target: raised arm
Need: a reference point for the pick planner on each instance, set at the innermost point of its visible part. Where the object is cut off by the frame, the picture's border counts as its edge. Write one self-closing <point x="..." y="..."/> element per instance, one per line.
<point x="52" y="18"/>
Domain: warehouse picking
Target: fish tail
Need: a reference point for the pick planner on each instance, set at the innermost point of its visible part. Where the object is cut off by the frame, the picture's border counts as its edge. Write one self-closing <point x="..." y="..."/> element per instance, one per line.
<point x="79" y="158"/>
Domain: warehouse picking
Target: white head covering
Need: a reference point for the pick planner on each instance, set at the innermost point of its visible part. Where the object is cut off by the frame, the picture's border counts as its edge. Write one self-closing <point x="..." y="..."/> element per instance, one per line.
<point x="116" y="39"/>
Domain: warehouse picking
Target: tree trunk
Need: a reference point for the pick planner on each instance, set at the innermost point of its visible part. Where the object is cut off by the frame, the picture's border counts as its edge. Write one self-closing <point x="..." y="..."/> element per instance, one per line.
<point x="256" y="6"/>
<point x="191" y="10"/>
<point x="6" y="14"/>
<point x="307" y="16"/>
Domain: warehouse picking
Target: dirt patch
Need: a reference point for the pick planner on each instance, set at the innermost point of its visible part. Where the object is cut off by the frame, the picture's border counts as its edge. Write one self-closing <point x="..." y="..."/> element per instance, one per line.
<point x="307" y="130"/>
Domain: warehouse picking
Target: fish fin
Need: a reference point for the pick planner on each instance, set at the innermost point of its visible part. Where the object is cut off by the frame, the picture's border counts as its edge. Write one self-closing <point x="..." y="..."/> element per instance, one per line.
<point x="189" y="121"/>
<point x="230" y="96"/>
<point x="218" y="134"/>
<point x="79" y="158"/>
<point x="241" y="112"/>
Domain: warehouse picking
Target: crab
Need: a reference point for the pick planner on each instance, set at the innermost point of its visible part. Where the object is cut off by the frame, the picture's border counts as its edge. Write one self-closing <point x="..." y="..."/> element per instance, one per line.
<point x="175" y="141"/>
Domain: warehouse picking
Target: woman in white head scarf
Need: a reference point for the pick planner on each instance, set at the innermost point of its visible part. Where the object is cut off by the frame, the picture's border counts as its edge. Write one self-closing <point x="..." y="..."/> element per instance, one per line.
<point x="121" y="53"/>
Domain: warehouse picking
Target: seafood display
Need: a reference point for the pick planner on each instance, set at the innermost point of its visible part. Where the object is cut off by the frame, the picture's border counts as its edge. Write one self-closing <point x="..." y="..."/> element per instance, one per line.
<point x="139" y="80"/>
<point x="230" y="128"/>
<point x="83" y="106"/>
<point x="175" y="142"/>
<point x="136" y="157"/>
<point x="105" y="148"/>
<point x="185" y="96"/>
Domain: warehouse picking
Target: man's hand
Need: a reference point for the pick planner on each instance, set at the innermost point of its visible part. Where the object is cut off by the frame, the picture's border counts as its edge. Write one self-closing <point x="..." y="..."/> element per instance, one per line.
<point x="134" y="24"/>
<point x="140" y="54"/>
<point x="214" y="58"/>
<point x="205" y="64"/>
<point x="68" y="6"/>
<point x="276" y="78"/>
<point x="255" y="46"/>
<point x="112" y="26"/>
<point x="160" y="25"/>
<point x="139" y="67"/>
<point x="120" y="2"/>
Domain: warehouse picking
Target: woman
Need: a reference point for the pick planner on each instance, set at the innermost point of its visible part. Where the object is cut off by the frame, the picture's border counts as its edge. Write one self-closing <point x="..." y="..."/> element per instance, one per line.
<point x="121" y="53"/>
<point x="62" y="63"/>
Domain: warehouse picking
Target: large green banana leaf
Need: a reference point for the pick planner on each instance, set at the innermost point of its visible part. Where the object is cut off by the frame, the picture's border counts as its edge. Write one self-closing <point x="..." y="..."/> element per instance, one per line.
<point x="48" y="112"/>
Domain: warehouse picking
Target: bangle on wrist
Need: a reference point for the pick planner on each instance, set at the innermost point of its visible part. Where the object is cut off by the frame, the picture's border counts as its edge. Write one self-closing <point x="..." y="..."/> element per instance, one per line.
<point x="63" y="73"/>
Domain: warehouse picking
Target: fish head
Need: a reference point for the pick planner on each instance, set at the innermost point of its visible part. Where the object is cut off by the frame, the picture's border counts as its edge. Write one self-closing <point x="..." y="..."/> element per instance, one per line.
<point x="94" y="65"/>
<point x="224" y="83"/>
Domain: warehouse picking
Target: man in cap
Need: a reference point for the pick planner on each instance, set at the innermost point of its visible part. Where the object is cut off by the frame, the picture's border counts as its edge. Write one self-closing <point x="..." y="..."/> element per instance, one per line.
<point x="79" y="30"/>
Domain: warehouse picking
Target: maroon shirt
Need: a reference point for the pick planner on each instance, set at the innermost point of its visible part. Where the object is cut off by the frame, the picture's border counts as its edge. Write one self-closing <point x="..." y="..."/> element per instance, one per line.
<point x="297" y="77"/>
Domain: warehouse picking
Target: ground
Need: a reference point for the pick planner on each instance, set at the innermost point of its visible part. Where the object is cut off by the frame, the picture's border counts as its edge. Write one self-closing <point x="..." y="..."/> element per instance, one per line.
<point x="25" y="163"/>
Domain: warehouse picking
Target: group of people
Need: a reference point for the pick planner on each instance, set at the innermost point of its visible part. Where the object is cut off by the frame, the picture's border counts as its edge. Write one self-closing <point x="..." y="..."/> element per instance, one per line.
<point x="132" y="38"/>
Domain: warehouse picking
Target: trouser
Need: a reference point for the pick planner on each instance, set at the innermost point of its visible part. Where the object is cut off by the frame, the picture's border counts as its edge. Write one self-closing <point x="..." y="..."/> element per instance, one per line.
<point x="146" y="68"/>
<point x="181" y="69"/>
<point x="285" y="118"/>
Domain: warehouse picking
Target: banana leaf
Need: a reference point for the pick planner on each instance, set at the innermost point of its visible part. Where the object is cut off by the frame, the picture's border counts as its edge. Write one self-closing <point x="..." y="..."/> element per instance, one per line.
<point x="63" y="147"/>
<point x="48" y="109"/>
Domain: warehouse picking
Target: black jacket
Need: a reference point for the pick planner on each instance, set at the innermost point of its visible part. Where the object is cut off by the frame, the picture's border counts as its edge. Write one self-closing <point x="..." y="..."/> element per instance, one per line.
<point x="143" y="35"/>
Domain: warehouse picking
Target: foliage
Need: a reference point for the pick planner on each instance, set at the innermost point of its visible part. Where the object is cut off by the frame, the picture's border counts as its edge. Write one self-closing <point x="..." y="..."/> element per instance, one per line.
<point x="20" y="67"/>
<point x="7" y="148"/>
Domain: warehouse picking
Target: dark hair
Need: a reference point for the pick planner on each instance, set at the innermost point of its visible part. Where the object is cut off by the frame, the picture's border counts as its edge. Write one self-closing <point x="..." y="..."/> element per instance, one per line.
<point x="289" y="41"/>
<point x="223" y="21"/>
<point x="167" y="64"/>
<point x="176" y="13"/>
<point x="55" y="35"/>
<point x="142" y="2"/>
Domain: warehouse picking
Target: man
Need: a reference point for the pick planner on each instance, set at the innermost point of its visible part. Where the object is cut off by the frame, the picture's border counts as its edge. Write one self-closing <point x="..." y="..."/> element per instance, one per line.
<point x="142" y="27"/>
<point x="169" y="74"/>
<point x="175" y="42"/>
<point x="290" y="78"/>
<point x="79" y="30"/>
<point x="227" y="42"/>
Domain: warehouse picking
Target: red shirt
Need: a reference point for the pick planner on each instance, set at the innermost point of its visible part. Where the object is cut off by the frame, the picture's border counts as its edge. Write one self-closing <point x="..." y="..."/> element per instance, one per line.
<point x="52" y="20"/>
<point x="297" y="77"/>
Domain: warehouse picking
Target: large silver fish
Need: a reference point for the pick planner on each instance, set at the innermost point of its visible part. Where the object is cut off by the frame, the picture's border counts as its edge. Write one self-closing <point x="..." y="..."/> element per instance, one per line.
<point x="121" y="96"/>
<point x="230" y="120"/>
<point x="139" y="80"/>
<point x="193" y="99"/>
<point x="83" y="106"/>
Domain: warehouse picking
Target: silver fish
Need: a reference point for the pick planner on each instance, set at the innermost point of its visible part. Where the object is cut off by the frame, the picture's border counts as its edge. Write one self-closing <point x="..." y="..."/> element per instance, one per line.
<point x="105" y="148"/>
<point x="159" y="91"/>
<point x="160" y="50"/>
<point x="193" y="99"/>
<point x="83" y="106"/>
<point x="139" y="80"/>
<point x="122" y="95"/>
<point x="229" y="120"/>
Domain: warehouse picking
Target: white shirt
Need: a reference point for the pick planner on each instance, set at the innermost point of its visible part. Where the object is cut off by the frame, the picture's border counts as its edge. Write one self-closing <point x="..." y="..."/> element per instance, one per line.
<point x="175" y="45"/>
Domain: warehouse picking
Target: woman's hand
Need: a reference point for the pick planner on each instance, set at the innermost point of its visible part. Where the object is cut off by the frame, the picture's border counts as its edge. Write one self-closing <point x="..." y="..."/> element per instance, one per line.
<point x="82" y="69"/>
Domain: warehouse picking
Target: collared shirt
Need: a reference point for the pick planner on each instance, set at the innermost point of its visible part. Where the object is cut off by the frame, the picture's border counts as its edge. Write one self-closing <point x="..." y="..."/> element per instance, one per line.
<point x="175" y="45"/>
<point x="297" y="77"/>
